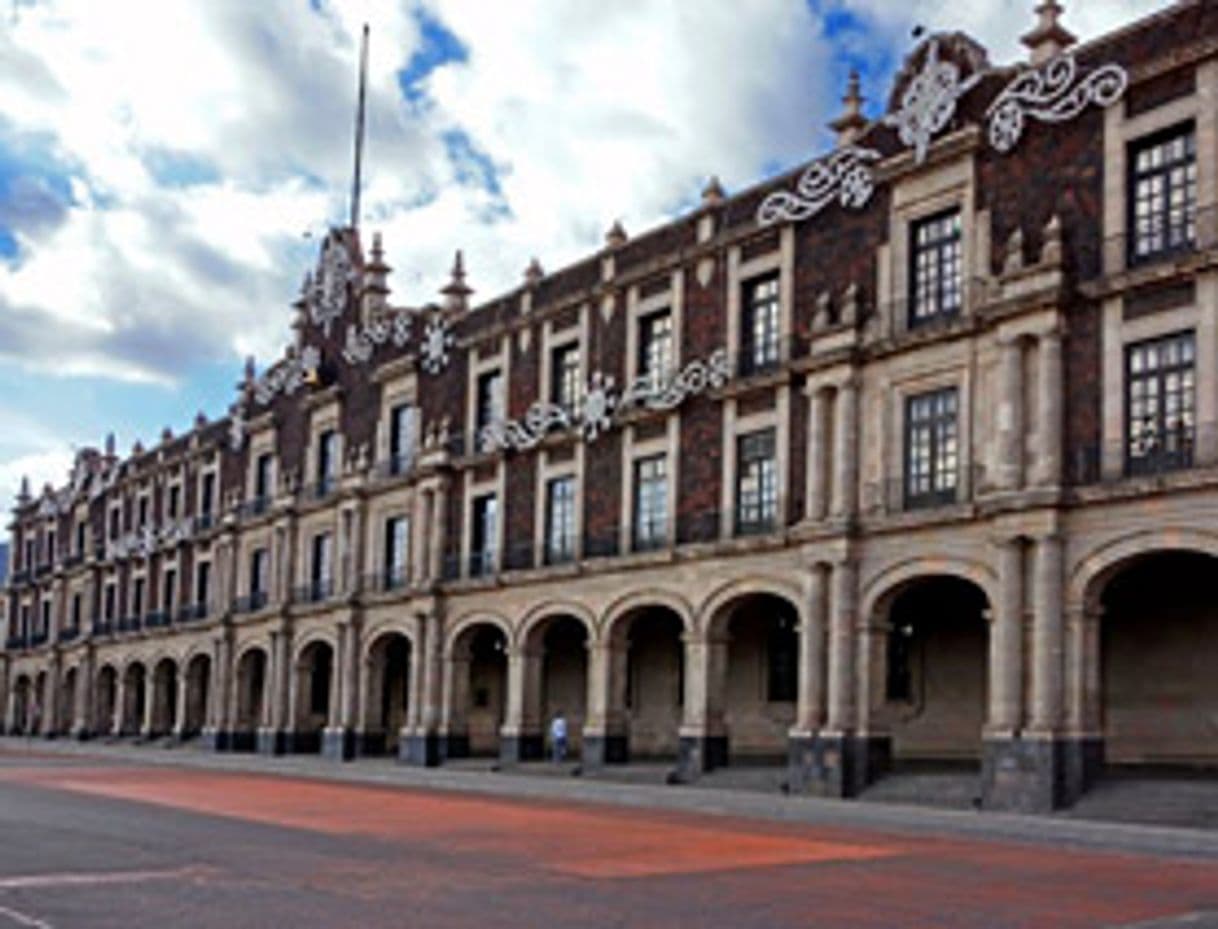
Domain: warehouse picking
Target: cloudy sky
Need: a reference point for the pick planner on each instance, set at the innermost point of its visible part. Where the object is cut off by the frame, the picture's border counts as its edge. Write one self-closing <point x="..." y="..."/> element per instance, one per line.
<point x="167" y="166"/>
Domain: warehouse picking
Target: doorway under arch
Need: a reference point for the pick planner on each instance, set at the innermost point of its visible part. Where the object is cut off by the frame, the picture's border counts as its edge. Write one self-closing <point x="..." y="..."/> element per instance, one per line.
<point x="314" y="697"/>
<point x="388" y="694"/>
<point x="477" y="699"/>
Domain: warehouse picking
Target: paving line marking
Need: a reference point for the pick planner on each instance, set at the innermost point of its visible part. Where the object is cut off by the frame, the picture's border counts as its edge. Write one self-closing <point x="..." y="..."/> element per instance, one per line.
<point x="99" y="877"/>
<point x="24" y="919"/>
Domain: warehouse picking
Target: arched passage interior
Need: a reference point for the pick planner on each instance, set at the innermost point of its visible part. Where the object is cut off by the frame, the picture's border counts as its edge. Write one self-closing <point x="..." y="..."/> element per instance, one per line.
<point x="314" y="697"/>
<point x="388" y="697"/>
<point x="478" y="691"/>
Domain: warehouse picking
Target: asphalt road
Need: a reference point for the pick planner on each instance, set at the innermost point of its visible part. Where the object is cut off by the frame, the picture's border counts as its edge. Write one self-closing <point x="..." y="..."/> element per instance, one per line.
<point x="101" y="842"/>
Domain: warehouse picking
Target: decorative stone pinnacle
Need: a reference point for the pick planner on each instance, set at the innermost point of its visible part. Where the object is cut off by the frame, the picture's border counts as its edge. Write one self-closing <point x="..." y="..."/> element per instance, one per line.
<point x="850" y="125"/>
<point x="533" y="273"/>
<point x="110" y="445"/>
<point x="166" y="434"/>
<point x="200" y="419"/>
<point x="713" y="193"/>
<point x="616" y="236"/>
<point x="456" y="292"/>
<point x="249" y="369"/>
<point x="1049" y="37"/>
<point x="23" y="495"/>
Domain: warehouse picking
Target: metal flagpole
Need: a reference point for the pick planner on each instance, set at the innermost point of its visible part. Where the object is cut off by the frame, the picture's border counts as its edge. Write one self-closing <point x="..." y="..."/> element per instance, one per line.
<point x="359" y="129"/>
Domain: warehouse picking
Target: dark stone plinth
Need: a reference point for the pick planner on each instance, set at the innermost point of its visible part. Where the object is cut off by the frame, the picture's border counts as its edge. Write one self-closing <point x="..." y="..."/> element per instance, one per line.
<point x="514" y="749"/>
<point x="1030" y="775"/>
<point x="371" y="744"/>
<point x="274" y="742"/>
<point x="836" y="766"/>
<point x="216" y="740"/>
<point x="698" y="754"/>
<point x="338" y="744"/>
<point x="424" y="751"/>
<point x="82" y="734"/>
<point x="600" y="750"/>
<point x="246" y="741"/>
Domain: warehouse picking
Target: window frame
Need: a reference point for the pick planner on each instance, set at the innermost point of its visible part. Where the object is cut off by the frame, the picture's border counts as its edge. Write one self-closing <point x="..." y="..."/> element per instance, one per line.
<point x="947" y="251"/>
<point x="565" y="518"/>
<point x="1162" y="458"/>
<point x="936" y="494"/>
<point x="649" y="511"/>
<point x="764" y="312"/>
<point x="765" y="517"/>
<point x="1164" y="229"/>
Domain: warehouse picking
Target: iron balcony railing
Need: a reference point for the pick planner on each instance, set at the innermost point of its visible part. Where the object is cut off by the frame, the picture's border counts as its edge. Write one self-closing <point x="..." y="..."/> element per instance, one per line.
<point x="128" y="624"/>
<point x="255" y="507"/>
<point x="385" y="581"/>
<point x="250" y="603"/>
<point x="70" y="634"/>
<point x="394" y="466"/>
<point x="102" y="626"/>
<point x="17" y="643"/>
<point x="191" y="612"/>
<point x="1176" y="450"/>
<point x="157" y="619"/>
<point x="1168" y="239"/>
<point x="39" y="637"/>
<point x="317" y="591"/>
<point x="204" y="521"/>
<point x="902" y="494"/>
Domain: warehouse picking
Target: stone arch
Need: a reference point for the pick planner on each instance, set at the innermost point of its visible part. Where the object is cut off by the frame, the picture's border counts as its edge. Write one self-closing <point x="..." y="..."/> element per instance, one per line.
<point x="553" y="641"/>
<point x="197" y="667"/>
<point x="165" y="672"/>
<point x="135" y="696"/>
<point x="712" y="612"/>
<point x="1092" y="572"/>
<point x="878" y="593"/>
<point x="311" y="639"/>
<point x="628" y="605"/>
<point x="372" y="634"/>
<point x="105" y="693"/>
<point x="461" y="627"/>
<point x="315" y="676"/>
<point x="475" y="684"/>
<point x="537" y="617"/>
<point x="23" y="703"/>
<point x="251" y="676"/>
<point x="389" y="689"/>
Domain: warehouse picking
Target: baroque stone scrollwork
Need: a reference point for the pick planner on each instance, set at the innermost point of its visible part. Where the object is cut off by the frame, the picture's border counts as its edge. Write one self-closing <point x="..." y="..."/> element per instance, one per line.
<point x="844" y="176"/>
<point x="601" y="405"/>
<point x="437" y="340"/>
<point x="929" y="101"/>
<point x="326" y="291"/>
<point x="288" y="375"/>
<point x="361" y="342"/>
<point x="1052" y="94"/>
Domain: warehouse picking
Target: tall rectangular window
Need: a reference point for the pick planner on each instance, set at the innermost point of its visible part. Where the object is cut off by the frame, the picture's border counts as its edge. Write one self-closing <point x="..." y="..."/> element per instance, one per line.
<point x="484" y="535"/>
<point x="403" y="433"/>
<point x="1160" y="404"/>
<point x="397" y="551"/>
<point x="202" y="586"/>
<point x="321" y="577"/>
<point x="488" y="403"/>
<point x="29" y="553"/>
<point x="565" y="384"/>
<point x="81" y="534"/>
<point x="50" y="546"/>
<point x="110" y="602"/>
<point x="137" y="598"/>
<point x="46" y="616"/>
<point x="260" y="566"/>
<point x="175" y="500"/>
<point x="1162" y="193"/>
<point x="936" y="268"/>
<point x="756" y="483"/>
<point x="207" y="496"/>
<point x="262" y="480"/>
<point x="560" y="520"/>
<point x="655" y="347"/>
<point x="142" y="519"/>
<point x="327" y="461"/>
<point x="932" y="455"/>
<point x="759" y="330"/>
<point x="169" y="590"/>
<point x="651" y="502"/>
<point x="78" y="607"/>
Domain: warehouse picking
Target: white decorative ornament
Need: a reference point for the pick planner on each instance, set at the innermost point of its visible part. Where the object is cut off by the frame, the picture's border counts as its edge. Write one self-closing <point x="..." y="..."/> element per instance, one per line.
<point x="328" y="298"/>
<point x="1053" y="95"/>
<point x="437" y="340"/>
<point x="602" y="405"/>
<point x="236" y="428"/>
<point x="360" y="343"/>
<point x="288" y="376"/>
<point x="929" y="102"/>
<point x="844" y="176"/>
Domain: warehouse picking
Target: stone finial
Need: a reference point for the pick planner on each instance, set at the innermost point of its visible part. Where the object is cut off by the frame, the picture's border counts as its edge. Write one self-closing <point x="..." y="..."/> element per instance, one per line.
<point x="1051" y="251"/>
<point x="850" y="305"/>
<point x="137" y="448"/>
<point x="616" y="236"/>
<point x="822" y="316"/>
<point x="1049" y="37"/>
<point x="456" y="292"/>
<point x="23" y="495"/>
<point x="1012" y="261"/>
<point x="533" y="273"/>
<point x="249" y="369"/>
<point x="850" y="125"/>
<point x="110" y="445"/>
<point x="166" y="435"/>
<point x="200" y="419"/>
<point x="713" y="193"/>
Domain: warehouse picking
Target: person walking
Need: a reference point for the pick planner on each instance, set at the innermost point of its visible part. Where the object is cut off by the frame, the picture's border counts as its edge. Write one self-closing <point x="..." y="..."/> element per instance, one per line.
<point x="558" y="737"/>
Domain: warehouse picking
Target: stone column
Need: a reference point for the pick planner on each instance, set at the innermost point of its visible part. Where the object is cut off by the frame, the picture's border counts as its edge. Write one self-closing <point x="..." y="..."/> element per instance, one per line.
<point x="818" y="458"/>
<point x="810" y="710"/>
<point x="50" y="698"/>
<point x="218" y="733"/>
<point x="1006" y="643"/>
<point x="120" y="702"/>
<point x="6" y="697"/>
<point x="430" y="696"/>
<point x="841" y="649"/>
<point x="439" y="520"/>
<point x="521" y="738"/>
<point x="846" y="451"/>
<point x="1010" y="416"/>
<point x="596" y="716"/>
<point x="1047" y="640"/>
<point x="702" y="737"/>
<point x="82" y="715"/>
<point x="146" y="727"/>
<point x="178" y="723"/>
<point x="339" y="737"/>
<point x="351" y="677"/>
<point x="1049" y="407"/>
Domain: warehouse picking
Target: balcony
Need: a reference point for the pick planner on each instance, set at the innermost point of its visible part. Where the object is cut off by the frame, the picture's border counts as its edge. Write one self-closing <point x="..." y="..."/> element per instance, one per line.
<point x="321" y="488"/>
<point x="17" y="643"/>
<point x="157" y="619"/>
<point x="43" y="569"/>
<point x="71" y="634"/>
<point x="255" y="601"/>
<point x="483" y="564"/>
<point x="73" y="560"/>
<point x="204" y="521"/>
<point x="317" y="591"/>
<point x="41" y="637"/>
<point x="20" y="577"/>
<point x="763" y="358"/>
<point x="251" y="509"/>
<point x="191" y="612"/>
<point x="936" y="491"/>
<point x="102" y="626"/>
<point x="395" y="466"/>
<point x="128" y="624"/>
<point x="1180" y="450"/>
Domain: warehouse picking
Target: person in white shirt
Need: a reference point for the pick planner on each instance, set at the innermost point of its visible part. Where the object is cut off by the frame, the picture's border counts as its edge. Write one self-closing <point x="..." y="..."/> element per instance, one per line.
<point x="558" y="737"/>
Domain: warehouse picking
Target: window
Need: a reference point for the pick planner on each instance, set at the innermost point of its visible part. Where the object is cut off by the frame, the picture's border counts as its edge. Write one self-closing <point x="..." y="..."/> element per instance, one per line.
<point x="397" y="550"/>
<point x="484" y="535"/>
<point x="46" y="616"/>
<point x="109" y="602"/>
<point x="756" y="483"/>
<point x="262" y="481"/>
<point x="655" y="347"/>
<point x="759" y="335"/>
<point x="1160" y="401"/>
<point x="207" y="497"/>
<point x="489" y="405"/>
<point x="936" y="268"/>
<point x="25" y="621"/>
<point x="50" y="546"/>
<point x="29" y="554"/>
<point x="321" y="578"/>
<point x="403" y="431"/>
<point x="560" y="520"/>
<point x="77" y="609"/>
<point x="327" y="448"/>
<point x="931" y="448"/>
<point x="80" y="537"/>
<point x="650" y="502"/>
<point x="202" y="585"/>
<point x="565" y="384"/>
<point x="1162" y="194"/>
<point x="142" y="521"/>
<point x="169" y="592"/>
<point x="782" y="660"/>
<point x="260" y="564"/>
<point x="175" y="500"/>
<point x="137" y="598"/>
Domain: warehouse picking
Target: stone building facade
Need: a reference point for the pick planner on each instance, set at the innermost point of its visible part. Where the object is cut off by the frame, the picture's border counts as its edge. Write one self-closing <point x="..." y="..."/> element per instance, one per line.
<point x="909" y="454"/>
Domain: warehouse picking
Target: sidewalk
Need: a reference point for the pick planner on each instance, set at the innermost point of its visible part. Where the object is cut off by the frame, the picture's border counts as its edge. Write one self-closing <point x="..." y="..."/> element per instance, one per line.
<point x="1055" y="830"/>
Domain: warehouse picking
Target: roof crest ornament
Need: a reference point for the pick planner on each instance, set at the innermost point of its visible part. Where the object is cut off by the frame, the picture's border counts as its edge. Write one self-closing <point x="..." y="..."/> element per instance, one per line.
<point x="929" y="100"/>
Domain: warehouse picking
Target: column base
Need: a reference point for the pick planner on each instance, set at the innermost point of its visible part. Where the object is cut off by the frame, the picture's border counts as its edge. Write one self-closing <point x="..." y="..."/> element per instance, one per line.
<point x="371" y="744"/>
<point x="698" y="754"/>
<point x="338" y="744"/>
<point x="423" y="749"/>
<point x="832" y="765"/>
<point x="243" y="741"/>
<point x="82" y="733"/>
<point x="514" y="749"/>
<point x="216" y="740"/>
<point x="274" y="742"/>
<point x="1038" y="775"/>
<point x="600" y="750"/>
